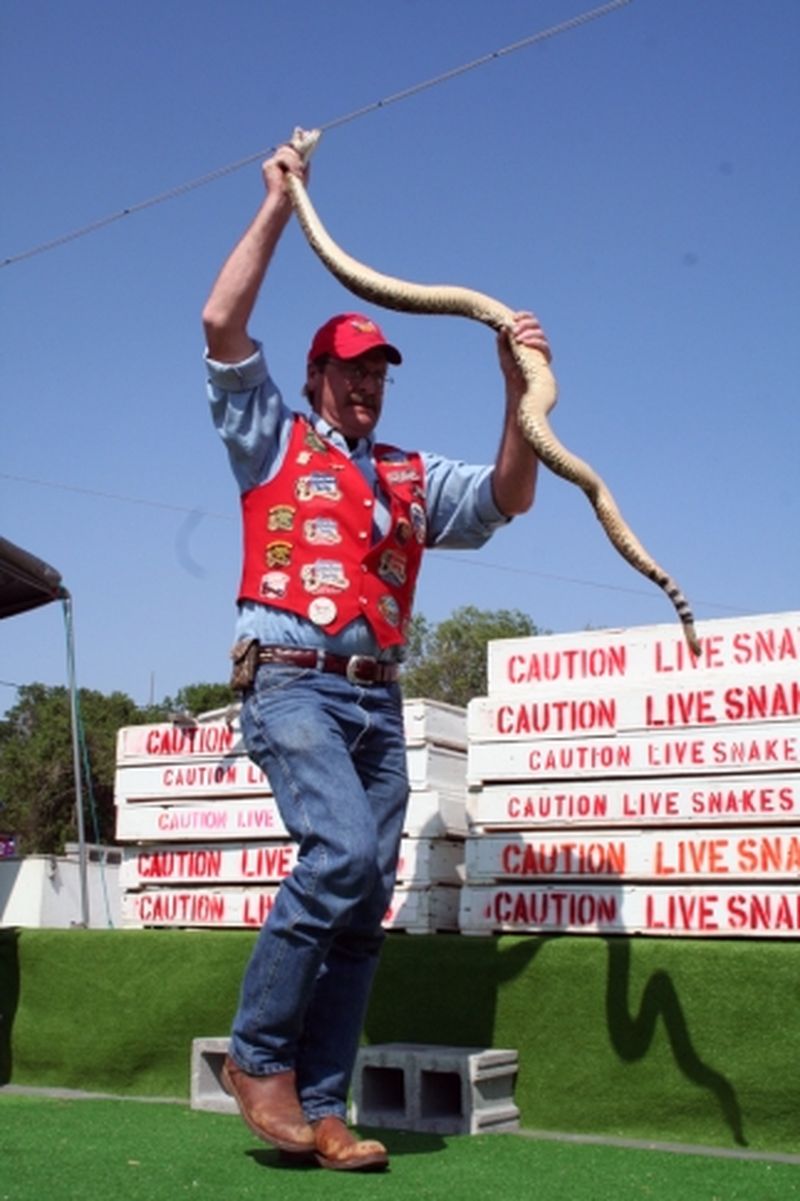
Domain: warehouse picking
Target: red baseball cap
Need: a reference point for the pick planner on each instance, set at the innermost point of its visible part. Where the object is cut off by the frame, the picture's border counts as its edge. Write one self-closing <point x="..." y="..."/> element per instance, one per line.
<point x="347" y="335"/>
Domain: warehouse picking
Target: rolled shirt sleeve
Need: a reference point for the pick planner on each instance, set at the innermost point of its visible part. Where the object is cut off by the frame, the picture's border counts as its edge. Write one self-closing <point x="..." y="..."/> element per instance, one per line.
<point x="249" y="415"/>
<point x="462" y="513"/>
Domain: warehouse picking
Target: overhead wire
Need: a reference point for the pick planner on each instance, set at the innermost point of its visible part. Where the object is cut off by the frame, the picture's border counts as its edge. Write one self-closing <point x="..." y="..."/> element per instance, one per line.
<point x="462" y="558"/>
<point x="375" y="106"/>
<point x="230" y="168"/>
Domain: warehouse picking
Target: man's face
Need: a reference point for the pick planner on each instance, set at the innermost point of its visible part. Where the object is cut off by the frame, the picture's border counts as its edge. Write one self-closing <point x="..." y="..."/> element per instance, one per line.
<point x="349" y="392"/>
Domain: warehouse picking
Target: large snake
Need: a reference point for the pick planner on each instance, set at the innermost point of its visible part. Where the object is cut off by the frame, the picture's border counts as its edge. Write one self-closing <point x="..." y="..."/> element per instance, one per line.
<point x="540" y="386"/>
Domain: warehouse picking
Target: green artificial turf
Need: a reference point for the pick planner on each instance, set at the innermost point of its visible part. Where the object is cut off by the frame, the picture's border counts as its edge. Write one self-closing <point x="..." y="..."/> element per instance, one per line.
<point x="669" y="1040"/>
<point x="128" y="1151"/>
<point x="673" y="1040"/>
<point x="115" y="1011"/>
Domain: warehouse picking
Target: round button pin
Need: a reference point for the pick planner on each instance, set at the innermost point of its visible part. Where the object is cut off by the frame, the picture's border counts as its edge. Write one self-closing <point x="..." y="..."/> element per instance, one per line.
<point x="322" y="610"/>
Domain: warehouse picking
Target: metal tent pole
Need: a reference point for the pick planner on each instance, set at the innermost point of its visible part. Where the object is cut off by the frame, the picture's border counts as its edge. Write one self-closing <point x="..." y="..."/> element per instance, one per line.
<point x="76" y="760"/>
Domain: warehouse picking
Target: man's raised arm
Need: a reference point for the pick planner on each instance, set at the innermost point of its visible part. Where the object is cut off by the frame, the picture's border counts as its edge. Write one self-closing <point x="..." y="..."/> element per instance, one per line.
<point x="233" y="296"/>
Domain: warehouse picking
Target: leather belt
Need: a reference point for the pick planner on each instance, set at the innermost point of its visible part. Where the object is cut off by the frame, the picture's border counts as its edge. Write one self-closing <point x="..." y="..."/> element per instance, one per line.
<point x="359" y="669"/>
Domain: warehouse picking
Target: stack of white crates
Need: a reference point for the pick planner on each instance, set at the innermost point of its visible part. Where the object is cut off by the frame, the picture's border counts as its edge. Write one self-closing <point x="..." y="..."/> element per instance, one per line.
<point x="209" y="848"/>
<point x="621" y="783"/>
<point x="431" y="865"/>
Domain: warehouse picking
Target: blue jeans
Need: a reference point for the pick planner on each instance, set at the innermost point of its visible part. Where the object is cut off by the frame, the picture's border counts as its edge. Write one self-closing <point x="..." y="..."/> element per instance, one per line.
<point x="335" y="756"/>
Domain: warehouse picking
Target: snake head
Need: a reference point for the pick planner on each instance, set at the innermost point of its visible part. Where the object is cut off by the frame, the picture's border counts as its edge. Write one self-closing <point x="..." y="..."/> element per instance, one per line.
<point x="304" y="141"/>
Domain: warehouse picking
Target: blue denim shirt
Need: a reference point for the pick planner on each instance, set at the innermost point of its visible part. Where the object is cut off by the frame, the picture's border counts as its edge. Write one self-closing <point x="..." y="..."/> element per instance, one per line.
<point x="250" y="416"/>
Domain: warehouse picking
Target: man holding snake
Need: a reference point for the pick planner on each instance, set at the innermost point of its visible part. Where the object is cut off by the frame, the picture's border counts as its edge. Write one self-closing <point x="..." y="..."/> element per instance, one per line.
<point x="335" y="524"/>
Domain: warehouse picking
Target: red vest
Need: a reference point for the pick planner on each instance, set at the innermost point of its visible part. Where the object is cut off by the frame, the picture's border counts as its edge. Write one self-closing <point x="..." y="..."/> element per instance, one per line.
<point x="308" y="537"/>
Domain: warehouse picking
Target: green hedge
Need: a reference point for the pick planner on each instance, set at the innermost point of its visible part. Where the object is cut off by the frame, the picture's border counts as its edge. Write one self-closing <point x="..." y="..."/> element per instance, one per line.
<point x="669" y="1040"/>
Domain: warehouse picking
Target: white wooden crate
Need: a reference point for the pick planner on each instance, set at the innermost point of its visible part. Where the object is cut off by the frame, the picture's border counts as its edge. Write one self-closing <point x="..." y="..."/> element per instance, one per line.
<point x="423" y="910"/>
<point x="198" y="907"/>
<point x="415" y="909"/>
<point x="708" y="700"/>
<point x="421" y="861"/>
<point x="430" y="814"/>
<point x="238" y="863"/>
<point x="184" y="780"/>
<point x="211" y="821"/>
<point x="725" y="856"/>
<point x="430" y="861"/>
<point x="705" y="800"/>
<point x="436" y="813"/>
<point x="217" y="735"/>
<point x="691" y="912"/>
<point x="436" y="722"/>
<point x="763" y="643"/>
<point x="431" y="767"/>
<point x="770" y="747"/>
<point x="438" y="768"/>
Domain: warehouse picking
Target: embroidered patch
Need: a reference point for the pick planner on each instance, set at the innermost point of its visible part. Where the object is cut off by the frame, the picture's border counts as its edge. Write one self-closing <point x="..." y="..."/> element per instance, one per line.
<point x="318" y="484"/>
<point x="402" y="531"/>
<point x="392" y="568"/>
<point x="403" y="475"/>
<point x="312" y="440"/>
<point x="324" y="575"/>
<point x="281" y="517"/>
<point x="322" y="531"/>
<point x="419" y="522"/>
<point x="389" y="610"/>
<point x="274" y="585"/>
<point x="278" y="554"/>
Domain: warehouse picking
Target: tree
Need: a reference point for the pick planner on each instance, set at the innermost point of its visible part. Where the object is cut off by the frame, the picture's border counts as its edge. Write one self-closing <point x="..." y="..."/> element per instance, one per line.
<point x="37" y="779"/>
<point x="447" y="662"/>
<point x="200" y="698"/>
<point x="37" y="784"/>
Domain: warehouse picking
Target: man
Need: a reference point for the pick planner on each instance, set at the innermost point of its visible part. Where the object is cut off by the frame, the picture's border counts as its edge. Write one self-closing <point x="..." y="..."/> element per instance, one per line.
<point x="335" y="526"/>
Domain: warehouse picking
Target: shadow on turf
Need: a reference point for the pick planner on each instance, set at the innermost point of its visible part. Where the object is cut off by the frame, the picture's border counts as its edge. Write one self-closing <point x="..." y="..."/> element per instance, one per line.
<point x="475" y="981"/>
<point x="632" y="1034"/>
<point x="9" y="996"/>
<point x="397" y="1143"/>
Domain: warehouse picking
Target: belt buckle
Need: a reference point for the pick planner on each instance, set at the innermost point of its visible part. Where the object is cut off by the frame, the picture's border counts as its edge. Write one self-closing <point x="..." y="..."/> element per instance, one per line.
<point x="352" y="669"/>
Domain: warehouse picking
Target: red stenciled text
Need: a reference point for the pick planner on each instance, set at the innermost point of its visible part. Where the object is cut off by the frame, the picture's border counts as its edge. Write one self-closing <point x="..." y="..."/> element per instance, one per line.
<point x="755" y="702"/>
<point x="563" y="859"/>
<point x="554" y="910"/>
<point x="189" y="740"/>
<point x="557" y="717"/>
<point x="579" y="663"/>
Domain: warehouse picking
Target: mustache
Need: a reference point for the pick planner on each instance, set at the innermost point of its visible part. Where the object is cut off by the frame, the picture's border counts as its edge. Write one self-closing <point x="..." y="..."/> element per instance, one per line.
<point x="355" y="397"/>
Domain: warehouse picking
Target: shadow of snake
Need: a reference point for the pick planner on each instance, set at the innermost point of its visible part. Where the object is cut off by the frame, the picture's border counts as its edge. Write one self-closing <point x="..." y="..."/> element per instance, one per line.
<point x="632" y="1034"/>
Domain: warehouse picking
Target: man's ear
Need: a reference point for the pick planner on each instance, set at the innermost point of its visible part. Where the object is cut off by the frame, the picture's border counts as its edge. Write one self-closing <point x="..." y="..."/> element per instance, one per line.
<point x="313" y="374"/>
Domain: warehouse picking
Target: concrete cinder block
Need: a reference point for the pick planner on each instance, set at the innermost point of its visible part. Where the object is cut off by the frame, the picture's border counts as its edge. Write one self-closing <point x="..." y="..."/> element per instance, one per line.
<point x="435" y="1089"/>
<point x="418" y="1087"/>
<point x="206" y="1091"/>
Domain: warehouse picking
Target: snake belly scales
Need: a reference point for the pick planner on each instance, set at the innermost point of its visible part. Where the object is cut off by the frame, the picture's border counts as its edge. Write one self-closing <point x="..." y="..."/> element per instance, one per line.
<point x="540" y="386"/>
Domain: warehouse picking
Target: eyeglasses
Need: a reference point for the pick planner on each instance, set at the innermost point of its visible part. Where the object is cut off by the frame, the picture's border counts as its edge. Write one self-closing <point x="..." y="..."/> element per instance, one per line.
<point x="356" y="373"/>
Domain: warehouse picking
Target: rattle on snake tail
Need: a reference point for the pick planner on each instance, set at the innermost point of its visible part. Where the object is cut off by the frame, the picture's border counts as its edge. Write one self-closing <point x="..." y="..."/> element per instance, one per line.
<point x="540" y="391"/>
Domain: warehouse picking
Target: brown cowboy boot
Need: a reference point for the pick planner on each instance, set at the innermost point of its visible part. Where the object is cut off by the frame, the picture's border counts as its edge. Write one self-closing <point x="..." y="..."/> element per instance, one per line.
<point x="339" y="1149"/>
<point x="270" y="1107"/>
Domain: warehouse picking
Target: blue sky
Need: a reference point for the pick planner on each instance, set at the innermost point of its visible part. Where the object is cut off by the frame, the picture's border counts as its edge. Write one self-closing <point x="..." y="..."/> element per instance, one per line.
<point x="634" y="181"/>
